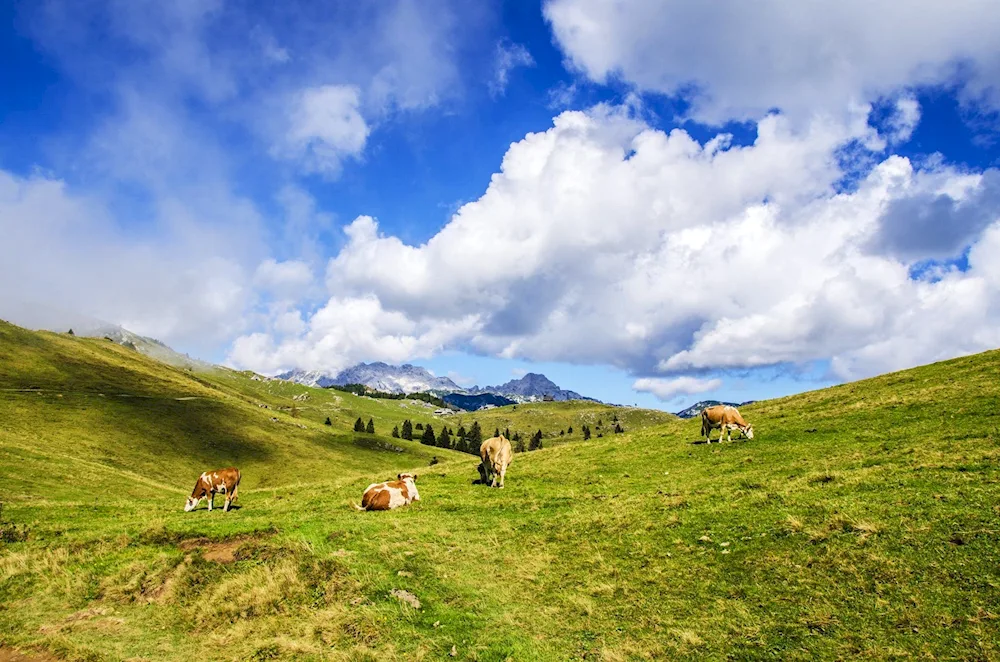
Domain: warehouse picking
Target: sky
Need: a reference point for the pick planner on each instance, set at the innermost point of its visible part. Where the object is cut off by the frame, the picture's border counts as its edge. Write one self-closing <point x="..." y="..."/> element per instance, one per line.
<point x="652" y="202"/>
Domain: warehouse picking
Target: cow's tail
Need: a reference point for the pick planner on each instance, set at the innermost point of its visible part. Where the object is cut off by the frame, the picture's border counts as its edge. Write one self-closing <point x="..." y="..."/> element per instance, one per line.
<point x="236" y="487"/>
<point x="704" y="422"/>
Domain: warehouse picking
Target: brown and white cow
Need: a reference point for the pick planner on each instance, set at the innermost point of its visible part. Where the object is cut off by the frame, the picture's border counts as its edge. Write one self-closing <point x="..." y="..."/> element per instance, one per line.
<point x="727" y="419"/>
<point x="225" y="480"/>
<point x="497" y="456"/>
<point x="390" y="494"/>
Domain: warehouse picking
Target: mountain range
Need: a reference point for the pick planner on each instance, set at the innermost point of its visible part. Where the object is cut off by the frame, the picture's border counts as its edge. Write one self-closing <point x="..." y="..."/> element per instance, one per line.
<point x="380" y="376"/>
<point x="412" y="379"/>
<point x="695" y="409"/>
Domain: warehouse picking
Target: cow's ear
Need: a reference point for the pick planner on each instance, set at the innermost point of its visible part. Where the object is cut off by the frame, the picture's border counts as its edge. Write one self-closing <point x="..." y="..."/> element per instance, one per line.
<point x="399" y="476"/>
<point x="414" y="476"/>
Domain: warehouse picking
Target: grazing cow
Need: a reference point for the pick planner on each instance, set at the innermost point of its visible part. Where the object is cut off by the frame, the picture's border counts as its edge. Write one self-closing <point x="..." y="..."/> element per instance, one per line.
<point x="226" y="481"/>
<point x="497" y="456"/>
<point x="727" y="419"/>
<point x="390" y="494"/>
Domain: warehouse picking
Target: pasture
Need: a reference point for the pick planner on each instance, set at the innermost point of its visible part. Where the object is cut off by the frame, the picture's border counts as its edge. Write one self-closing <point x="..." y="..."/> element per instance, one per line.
<point x="862" y="521"/>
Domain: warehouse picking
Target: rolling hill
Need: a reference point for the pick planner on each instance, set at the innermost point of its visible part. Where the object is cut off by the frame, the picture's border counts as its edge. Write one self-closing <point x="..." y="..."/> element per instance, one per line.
<point x="861" y="522"/>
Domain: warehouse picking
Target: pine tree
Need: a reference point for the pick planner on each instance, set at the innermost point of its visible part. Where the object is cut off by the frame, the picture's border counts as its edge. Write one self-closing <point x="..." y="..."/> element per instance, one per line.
<point x="428" y="437"/>
<point x="519" y="444"/>
<point x="615" y="419"/>
<point x="358" y="425"/>
<point x="420" y="426"/>
<point x="370" y="428"/>
<point x="496" y="433"/>
<point x="71" y="332"/>
<point x="586" y="432"/>
<point x="536" y="441"/>
<point x="444" y="439"/>
<point x="327" y="421"/>
<point x="569" y="430"/>
<point x="395" y="432"/>
<point x="506" y="433"/>
<point x="461" y="432"/>
<point x="618" y="428"/>
<point x="562" y="433"/>
<point x="475" y="438"/>
<point x="407" y="429"/>
<point x="599" y="422"/>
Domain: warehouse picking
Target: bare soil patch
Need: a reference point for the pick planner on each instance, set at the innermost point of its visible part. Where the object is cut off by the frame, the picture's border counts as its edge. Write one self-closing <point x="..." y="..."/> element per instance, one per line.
<point x="12" y="655"/>
<point x="220" y="551"/>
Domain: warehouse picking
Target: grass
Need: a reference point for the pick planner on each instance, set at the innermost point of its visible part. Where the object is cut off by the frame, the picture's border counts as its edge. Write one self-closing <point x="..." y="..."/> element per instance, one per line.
<point x="874" y="536"/>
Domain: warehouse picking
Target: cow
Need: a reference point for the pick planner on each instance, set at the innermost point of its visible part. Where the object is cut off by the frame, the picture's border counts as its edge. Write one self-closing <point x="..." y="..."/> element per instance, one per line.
<point x="390" y="494"/>
<point x="497" y="456"/>
<point x="727" y="419"/>
<point x="225" y="480"/>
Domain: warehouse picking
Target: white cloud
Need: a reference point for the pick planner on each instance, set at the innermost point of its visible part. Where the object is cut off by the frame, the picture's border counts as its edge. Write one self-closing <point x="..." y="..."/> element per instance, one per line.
<point x="508" y="56"/>
<point x="344" y="332"/>
<point x="65" y="252"/>
<point x="737" y="59"/>
<point x="904" y="120"/>
<point x="602" y="241"/>
<point x="325" y="128"/>
<point x="286" y="279"/>
<point x="667" y="389"/>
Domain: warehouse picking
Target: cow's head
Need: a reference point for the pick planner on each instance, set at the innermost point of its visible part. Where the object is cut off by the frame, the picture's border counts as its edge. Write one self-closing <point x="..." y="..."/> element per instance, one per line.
<point x="191" y="504"/>
<point x="404" y="477"/>
<point x="749" y="432"/>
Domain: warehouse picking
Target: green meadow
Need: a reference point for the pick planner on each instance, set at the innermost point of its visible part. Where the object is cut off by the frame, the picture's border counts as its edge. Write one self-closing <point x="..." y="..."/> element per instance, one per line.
<point x="862" y="521"/>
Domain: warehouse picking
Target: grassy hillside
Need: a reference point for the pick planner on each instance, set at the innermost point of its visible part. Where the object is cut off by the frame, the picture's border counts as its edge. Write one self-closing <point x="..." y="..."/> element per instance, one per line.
<point x="555" y="417"/>
<point x="110" y="416"/>
<point x="862" y="521"/>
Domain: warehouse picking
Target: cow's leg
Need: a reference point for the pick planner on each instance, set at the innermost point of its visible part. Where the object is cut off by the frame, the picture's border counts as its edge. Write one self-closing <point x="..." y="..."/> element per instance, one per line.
<point x="503" y="472"/>
<point x="211" y="500"/>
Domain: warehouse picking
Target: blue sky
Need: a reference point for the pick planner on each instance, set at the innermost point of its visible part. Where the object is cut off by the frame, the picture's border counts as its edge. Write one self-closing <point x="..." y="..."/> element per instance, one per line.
<point x="649" y="202"/>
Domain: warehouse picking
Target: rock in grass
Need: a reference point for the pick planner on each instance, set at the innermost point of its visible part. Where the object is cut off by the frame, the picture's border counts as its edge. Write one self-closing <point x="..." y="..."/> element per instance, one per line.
<point x="405" y="596"/>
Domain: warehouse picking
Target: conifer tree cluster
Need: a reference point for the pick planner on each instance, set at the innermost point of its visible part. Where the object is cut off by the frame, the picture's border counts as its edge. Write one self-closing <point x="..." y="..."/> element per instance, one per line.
<point x="536" y="441"/>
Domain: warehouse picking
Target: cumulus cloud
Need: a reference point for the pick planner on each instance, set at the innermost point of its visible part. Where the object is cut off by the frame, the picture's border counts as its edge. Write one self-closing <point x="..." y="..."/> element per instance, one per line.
<point x="65" y="251"/>
<point x="668" y="389"/>
<point x="508" y="57"/>
<point x="938" y="215"/>
<point x="283" y="278"/>
<point x="325" y="127"/>
<point x="904" y="120"/>
<point x="604" y="241"/>
<point x="345" y="331"/>
<point x="738" y="60"/>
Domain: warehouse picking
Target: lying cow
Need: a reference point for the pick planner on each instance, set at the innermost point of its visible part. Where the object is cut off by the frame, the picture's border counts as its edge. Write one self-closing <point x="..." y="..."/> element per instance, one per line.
<point x="226" y="481"/>
<point x="390" y="494"/>
<point x="727" y="419"/>
<point x="497" y="456"/>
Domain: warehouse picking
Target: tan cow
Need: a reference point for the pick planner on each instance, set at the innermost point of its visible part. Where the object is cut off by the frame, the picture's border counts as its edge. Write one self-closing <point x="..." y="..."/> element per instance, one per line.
<point x="225" y="480"/>
<point x="390" y="494"/>
<point x="727" y="419"/>
<point x="497" y="456"/>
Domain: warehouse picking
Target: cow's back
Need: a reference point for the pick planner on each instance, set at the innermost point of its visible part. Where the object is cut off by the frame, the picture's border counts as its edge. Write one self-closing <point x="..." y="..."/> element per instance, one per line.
<point x="386" y="496"/>
<point x="496" y="451"/>
<point x="715" y="415"/>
